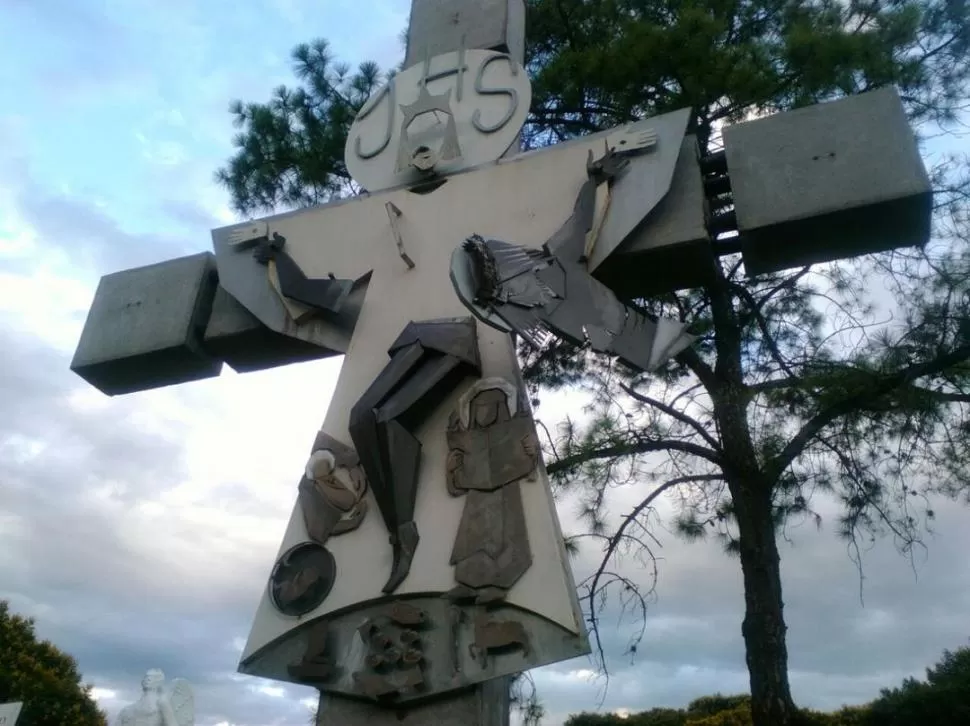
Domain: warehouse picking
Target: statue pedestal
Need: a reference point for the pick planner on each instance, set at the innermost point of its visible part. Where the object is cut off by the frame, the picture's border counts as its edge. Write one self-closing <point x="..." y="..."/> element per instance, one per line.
<point x="486" y="704"/>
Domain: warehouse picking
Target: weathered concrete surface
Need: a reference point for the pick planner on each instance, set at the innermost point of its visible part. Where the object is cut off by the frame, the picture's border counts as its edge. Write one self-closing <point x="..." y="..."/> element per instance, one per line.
<point x="442" y="26"/>
<point x="145" y="326"/>
<point x="236" y="336"/>
<point x="485" y="705"/>
<point x="826" y="182"/>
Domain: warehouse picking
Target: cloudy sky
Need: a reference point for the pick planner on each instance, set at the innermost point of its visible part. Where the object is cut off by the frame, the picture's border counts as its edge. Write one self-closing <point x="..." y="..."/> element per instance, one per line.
<point x="139" y="530"/>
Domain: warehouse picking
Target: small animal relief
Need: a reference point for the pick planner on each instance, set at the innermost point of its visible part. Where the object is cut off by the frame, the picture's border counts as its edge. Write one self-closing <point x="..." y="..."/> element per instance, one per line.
<point x="493" y="636"/>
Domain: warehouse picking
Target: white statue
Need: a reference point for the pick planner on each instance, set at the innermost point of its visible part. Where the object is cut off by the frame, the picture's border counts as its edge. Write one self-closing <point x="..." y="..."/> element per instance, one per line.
<point x="158" y="708"/>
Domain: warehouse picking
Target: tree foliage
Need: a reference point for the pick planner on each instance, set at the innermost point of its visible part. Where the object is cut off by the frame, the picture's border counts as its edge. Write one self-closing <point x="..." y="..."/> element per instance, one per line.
<point x="943" y="699"/>
<point x="45" y="679"/>
<point x="597" y="64"/>
<point x="803" y="381"/>
<point x="290" y="150"/>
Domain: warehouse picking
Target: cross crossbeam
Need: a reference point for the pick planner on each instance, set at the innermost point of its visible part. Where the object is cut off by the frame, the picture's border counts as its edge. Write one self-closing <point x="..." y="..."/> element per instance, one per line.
<point x="423" y="556"/>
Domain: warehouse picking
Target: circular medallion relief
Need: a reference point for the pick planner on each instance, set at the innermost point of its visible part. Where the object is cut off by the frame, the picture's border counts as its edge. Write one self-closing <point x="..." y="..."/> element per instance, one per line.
<point x="458" y="110"/>
<point x="302" y="578"/>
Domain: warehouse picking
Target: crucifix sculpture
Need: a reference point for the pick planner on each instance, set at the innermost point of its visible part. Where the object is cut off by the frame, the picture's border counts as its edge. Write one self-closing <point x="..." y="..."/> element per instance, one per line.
<point x="423" y="561"/>
<point x="459" y="576"/>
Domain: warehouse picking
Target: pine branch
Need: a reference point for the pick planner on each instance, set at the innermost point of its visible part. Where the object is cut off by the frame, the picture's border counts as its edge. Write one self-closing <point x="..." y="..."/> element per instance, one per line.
<point x="631" y="449"/>
<point x="768" y="338"/>
<point x="850" y="403"/>
<point x="705" y="374"/>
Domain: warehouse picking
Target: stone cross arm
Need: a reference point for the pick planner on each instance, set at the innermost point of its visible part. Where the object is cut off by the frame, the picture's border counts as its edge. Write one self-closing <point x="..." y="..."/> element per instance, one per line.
<point x="805" y="187"/>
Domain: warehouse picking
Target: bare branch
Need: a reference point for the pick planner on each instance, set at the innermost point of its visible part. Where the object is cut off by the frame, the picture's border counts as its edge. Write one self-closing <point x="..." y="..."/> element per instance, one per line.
<point x="614" y="541"/>
<point x="673" y="413"/>
<point x="645" y="446"/>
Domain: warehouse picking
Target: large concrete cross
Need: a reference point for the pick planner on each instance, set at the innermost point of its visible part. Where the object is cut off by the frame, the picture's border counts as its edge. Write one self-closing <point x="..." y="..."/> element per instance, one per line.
<point x="423" y="557"/>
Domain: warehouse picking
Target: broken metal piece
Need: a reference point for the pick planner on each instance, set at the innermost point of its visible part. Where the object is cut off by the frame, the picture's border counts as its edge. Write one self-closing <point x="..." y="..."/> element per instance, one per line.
<point x="445" y="135"/>
<point x="392" y="214"/>
<point x="302" y="579"/>
<point x="327" y="295"/>
<point x="405" y="615"/>
<point x="601" y="205"/>
<point x="491" y="636"/>
<point x="302" y="297"/>
<point x="298" y="312"/>
<point x="316" y="666"/>
<point x="427" y="361"/>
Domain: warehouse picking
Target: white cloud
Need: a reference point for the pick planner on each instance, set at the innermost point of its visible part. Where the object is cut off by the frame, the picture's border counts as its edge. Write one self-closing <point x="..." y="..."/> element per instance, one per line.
<point x="271" y="691"/>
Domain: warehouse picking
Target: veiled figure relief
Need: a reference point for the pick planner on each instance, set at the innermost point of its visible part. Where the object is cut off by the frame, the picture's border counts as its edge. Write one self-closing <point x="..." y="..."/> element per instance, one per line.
<point x="492" y="448"/>
<point x="332" y="490"/>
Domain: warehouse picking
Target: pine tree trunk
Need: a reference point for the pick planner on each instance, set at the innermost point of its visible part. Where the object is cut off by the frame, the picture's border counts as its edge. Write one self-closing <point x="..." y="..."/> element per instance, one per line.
<point x="764" y="627"/>
<point x="764" y="622"/>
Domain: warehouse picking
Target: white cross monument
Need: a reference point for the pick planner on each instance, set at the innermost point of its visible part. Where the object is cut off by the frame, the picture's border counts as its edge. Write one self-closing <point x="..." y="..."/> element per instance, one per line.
<point x="423" y="561"/>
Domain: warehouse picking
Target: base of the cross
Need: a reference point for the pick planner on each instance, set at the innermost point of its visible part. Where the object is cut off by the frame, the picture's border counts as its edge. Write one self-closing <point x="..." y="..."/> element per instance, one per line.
<point x="486" y="704"/>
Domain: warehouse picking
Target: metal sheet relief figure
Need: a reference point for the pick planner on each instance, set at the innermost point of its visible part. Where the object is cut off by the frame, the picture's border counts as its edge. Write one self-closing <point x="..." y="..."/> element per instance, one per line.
<point x="331" y="497"/>
<point x="332" y="490"/>
<point x="492" y="448"/>
<point x="538" y="293"/>
<point x="428" y="360"/>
